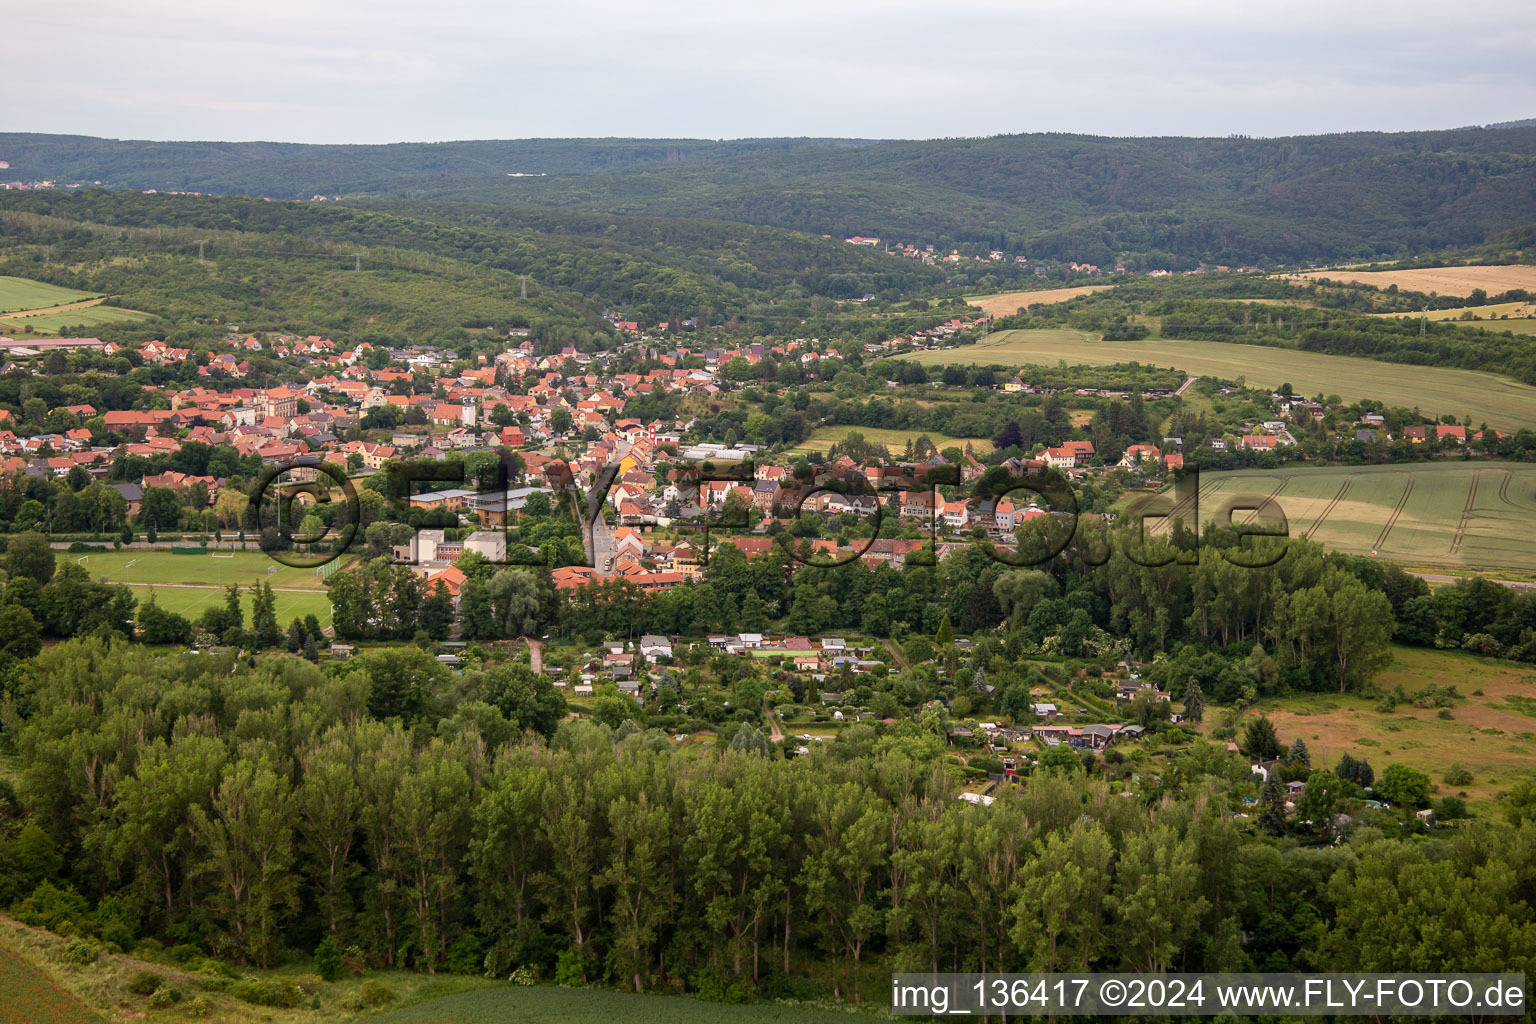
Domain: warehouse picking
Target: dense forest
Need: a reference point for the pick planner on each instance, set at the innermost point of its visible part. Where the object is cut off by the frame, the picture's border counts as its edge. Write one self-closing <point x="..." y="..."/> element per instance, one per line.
<point x="1065" y="197"/>
<point x="384" y="811"/>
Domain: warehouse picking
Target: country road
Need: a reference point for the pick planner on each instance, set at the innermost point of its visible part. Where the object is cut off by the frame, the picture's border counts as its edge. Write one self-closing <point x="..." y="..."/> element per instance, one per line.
<point x="1185" y="386"/>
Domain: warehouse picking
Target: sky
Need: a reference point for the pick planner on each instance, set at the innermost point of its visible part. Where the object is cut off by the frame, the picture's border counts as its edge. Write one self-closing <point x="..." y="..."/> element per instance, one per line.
<point x="372" y="71"/>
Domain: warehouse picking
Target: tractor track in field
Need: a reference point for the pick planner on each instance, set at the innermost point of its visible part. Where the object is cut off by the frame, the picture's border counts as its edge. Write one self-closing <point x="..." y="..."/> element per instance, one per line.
<point x="1165" y="523"/>
<point x="1254" y="513"/>
<point x="1328" y="509"/>
<point x="1509" y="478"/>
<point x="1381" y="538"/>
<point x="1466" y="514"/>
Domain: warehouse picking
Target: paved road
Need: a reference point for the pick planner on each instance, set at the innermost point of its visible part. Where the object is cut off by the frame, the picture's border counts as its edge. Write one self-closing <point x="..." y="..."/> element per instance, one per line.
<point x="1185" y="386"/>
<point x="603" y="548"/>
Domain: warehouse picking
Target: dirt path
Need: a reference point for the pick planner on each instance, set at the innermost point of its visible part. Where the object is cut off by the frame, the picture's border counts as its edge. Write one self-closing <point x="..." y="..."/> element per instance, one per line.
<point x="535" y="654"/>
<point x="775" y="730"/>
<point x="895" y="650"/>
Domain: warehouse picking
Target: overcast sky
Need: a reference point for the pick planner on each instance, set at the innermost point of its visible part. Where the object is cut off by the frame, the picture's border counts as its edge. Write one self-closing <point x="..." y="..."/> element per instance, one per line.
<point x="388" y="70"/>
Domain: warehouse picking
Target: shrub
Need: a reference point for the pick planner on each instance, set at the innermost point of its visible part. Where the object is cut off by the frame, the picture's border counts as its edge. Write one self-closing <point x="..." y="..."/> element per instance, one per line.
<point x="569" y="971"/>
<point x="309" y="984"/>
<point x="1456" y="775"/>
<point x="198" y="1006"/>
<point x="51" y="907"/>
<point x="144" y="983"/>
<point x="80" y="952"/>
<point x="183" y="952"/>
<point x="355" y="959"/>
<point x="168" y="996"/>
<point x="328" y="959"/>
<point x="465" y="955"/>
<point x="375" y="993"/>
<point x="524" y="976"/>
<point x="264" y="992"/>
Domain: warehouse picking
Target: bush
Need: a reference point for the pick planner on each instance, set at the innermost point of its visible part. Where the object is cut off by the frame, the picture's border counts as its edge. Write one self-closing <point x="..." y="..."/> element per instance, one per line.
<point x="169" y="996"/>
<point x="144" y="983"/>
<point x="80" y="952"/>
<point x="328" y="959"/>
<point x="375" y="993"/>
<point x="465" y="955"/>
<point x="524" y="976"/>
<point x="1456" y="775"/>
<point x="51" y="907"/>
<point x="198" y="1006"/>
<point x="569" y="970"/>
<point x="309" y="984"/>
<point x="263" y="992"/>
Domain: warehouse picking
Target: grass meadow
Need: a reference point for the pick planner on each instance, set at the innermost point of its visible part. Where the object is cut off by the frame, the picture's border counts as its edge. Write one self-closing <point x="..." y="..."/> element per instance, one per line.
<point x="1498" y="401"/>
<point x="1491" y="732"/>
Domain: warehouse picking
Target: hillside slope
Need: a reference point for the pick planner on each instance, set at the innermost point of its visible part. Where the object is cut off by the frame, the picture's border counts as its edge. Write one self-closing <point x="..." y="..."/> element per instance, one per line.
<point x="1168" y="200"/>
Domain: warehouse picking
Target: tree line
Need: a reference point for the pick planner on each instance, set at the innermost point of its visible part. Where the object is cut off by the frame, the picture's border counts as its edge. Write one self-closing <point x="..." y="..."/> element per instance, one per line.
<point x="385" y="806"/>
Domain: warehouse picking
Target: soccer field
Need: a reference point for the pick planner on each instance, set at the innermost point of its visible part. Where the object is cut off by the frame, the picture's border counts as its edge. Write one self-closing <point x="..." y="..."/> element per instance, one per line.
<point x="1498" y="401"/>
<point x="1469" y="515"/>
<point x="190" y="584"/>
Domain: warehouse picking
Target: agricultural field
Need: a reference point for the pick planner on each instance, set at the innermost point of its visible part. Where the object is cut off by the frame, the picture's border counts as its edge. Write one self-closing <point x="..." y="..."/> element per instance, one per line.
<point x="1491" y="732"/>
<point x="1466" y="515"/>
<point x="546" y="1005"/>
<point x="895" y="440"/>
<point x="1500" y="402"/>
<point x="191" y="584"/>
<point x="29" y="996"/>
<point x="85" y="316"/>
<point x="18" y="293"/>
<point x="1010" y="303"/>
<point x="40" y="310"/>
<point x="1517" y="317"/>
<point x="1439" y="280"/>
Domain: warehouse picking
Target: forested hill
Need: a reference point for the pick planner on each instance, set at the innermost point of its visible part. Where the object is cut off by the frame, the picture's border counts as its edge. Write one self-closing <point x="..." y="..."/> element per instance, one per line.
<point x="284" y="170"/>
<point x="1085" y="198"/>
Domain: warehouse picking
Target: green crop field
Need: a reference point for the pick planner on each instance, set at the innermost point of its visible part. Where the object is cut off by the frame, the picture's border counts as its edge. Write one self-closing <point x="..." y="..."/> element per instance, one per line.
<point x="28" y="996"/>
<point x="1470" y="515"/>
<point x="1498" y="401"/>
<point x="18" y="293"/>
<point x="1492" y="732"/>
<point x="895" y="440"/>
<point x="48" y="324"/>
<point x="190" y="584"/>
<point x="546" y="1005"/>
